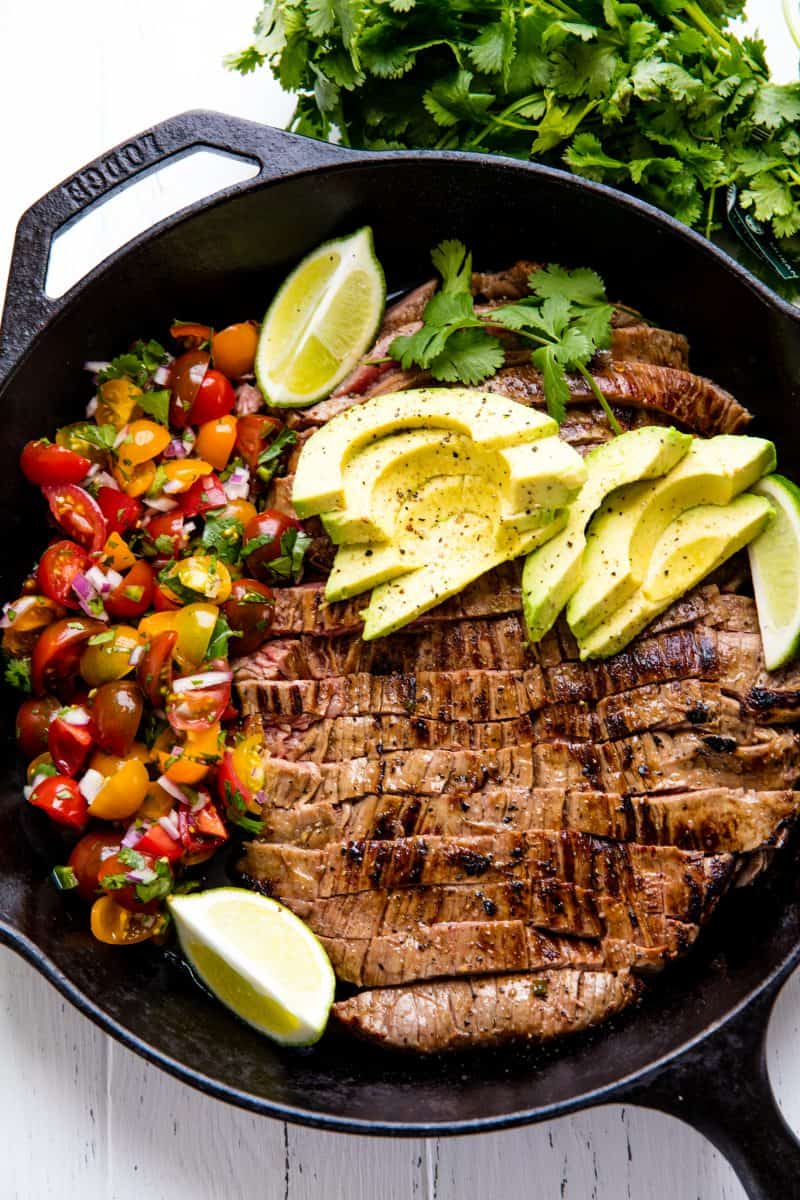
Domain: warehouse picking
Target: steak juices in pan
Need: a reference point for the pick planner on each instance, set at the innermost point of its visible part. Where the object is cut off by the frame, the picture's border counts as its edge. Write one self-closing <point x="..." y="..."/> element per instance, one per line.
<point x="449" y="618"/>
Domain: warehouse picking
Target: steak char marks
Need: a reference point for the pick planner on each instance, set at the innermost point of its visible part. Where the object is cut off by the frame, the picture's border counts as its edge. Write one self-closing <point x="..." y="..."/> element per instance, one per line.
<point x="495" y="841"/>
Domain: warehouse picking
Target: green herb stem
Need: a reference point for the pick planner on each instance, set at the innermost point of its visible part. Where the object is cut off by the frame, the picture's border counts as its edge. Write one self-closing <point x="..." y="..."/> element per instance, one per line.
<point x="601" y="400"/>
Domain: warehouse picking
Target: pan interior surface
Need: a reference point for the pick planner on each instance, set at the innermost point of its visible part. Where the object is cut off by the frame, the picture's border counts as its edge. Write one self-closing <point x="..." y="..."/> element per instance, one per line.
<point x="224" y="261"/>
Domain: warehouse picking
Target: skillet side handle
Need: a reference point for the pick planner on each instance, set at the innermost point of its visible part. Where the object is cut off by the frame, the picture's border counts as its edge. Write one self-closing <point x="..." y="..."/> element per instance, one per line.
<point x="277" y="154"/>
<point x="721" y="1087"/>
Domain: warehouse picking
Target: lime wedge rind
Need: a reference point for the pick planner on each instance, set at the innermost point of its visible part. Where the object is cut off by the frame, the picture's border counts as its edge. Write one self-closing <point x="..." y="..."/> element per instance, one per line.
<point x="775" y="569"/>
<point x="254" y="985"/>
<point x="314" y="361"/>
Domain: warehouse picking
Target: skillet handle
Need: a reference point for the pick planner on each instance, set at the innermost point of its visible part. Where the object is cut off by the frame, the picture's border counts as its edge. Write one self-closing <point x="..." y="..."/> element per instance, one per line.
<point x="721" y="1087"/>
<point x="277" y="153"/>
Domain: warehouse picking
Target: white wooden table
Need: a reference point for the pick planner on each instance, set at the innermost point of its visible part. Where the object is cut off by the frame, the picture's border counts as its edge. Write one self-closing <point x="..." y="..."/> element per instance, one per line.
<point x="79" y="1115"/>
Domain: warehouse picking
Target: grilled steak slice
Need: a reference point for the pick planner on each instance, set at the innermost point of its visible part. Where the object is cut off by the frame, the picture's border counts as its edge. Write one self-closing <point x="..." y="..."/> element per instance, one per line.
<point x="713" y="820"/>
<point x="488" y="1011"/>
<point x="688" y="884"/>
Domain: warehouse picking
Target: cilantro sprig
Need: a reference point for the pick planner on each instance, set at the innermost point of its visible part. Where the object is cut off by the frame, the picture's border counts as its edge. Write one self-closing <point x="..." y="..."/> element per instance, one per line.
<point x="566" y="319"/>
<point x="138" y="364"/>
<point x="660" y="97"/>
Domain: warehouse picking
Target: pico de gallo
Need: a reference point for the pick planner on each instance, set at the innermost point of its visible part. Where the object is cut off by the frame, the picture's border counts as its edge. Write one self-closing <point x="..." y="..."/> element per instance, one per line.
<point x="160" y="570"/>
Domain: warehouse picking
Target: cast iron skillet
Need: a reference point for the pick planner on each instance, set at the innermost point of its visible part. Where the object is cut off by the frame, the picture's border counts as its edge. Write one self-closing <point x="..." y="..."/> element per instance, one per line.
<point x="695" y="1047"/>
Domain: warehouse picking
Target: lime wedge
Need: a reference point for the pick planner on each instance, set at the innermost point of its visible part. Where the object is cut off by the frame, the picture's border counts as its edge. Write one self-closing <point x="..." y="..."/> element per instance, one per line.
<point x="322" y="320"/>
<point x="259" y="959"/>
<point x="775" y="566"/>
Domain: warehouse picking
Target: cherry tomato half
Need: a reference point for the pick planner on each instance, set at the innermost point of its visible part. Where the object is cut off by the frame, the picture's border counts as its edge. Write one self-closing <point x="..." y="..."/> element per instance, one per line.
<point x="27" y="617"/>
<point x="241" y="773"/>
<point x="115" y="926"/>
<point x="33" y="722"/>
<point x="272" y="525"/>
<point x="249" y="612"/>
<point x="253" y="434"/>
<point x="57" y="568"/>
<point x="108" y="878"/>
<point x="86" y="858"/>
<point x="157" y="842"/>
<point x="185" y="377"/>
<point x="69" y="743"/>
<point x="59" y="797"/>
<point x="190" y="333"/>
<point x="204" y="494"/>
<point x="169" y="527"/>
<point x="154" y="672"/>
<point x="216" y="439"/>
<point x="162" y="602"/>
<point x="58" y="652"/>
<point x="78" y="514"/>
<point x="120" y="511"/>
<point x="215" y="398"/>
<point x="46" y="462"/>
<point x="234" y="349"/>
<point x="134" y="595"/>
<point x="197" y="701"/>
<point x="116" y="713"/>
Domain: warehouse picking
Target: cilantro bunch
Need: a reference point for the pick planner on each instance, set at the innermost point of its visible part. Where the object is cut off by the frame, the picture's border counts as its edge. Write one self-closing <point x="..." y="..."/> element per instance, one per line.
<point x="659" y="96"/>
<point x="565" y="320"/>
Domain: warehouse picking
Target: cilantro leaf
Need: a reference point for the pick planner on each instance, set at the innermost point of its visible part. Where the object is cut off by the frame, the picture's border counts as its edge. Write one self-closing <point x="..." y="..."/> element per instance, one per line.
<point x="18" y="674"/>
<point x="223" y="536"/>
<point x="220" y="636"/>
<point x="269" y="460"/>
<point x="137" y="365"/>
<point x="156" y="405"/>
<point x="101" y="436"/>
<point x="470" y="356"/>
<point x="454" y="263"/>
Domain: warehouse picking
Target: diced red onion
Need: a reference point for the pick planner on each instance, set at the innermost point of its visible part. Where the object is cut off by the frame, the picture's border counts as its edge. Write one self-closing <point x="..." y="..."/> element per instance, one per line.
<point x="237" y="485"/>
<point x="201" y="801"/>
<point x="170" y="826"/>
<point x="120" y="438"/>
<point x="201" y="680"/>
<point x="18" y="607"/>
<point x="77" y="715"/>
<point x="141" y="875"/>
<point x="27" y="791"/>
<point x="101" y="477"/>
<point x="171" y="788"/>
<point x="172" y="486"/>
<point x="197" y="372"/>
<point x="189" y="527"/>
<point x="103" y="581"/>
<point x="132" y="837"/>
<point x="95" y="366"/>
<point x="161" y="375"/>
<point x="176" y="449"/>
<point x="91" y="407"/>
<point x="107" y="852"/>
<point x="90" y="785"/>
<point x="135" y="655"/>
<point x="248" y="400"/>
<point x="161" y="503"/>
<point x="86" y="595"/>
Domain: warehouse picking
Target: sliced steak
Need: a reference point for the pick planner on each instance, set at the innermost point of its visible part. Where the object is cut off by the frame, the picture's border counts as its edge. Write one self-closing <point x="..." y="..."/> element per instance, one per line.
<point x="712" y="820"/>
<point x="489" y="1010"/>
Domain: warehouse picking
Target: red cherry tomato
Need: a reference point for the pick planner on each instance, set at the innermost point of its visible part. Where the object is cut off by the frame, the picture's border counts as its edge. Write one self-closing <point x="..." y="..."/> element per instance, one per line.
<point x="57" y="568"/>
<point x="206" y="493"/>
<point x="185" y="377"/>
<point x="190" y="333"/>
<point x="167" y="525"/>
<point x="203" y="831"/>
<point x="253" y="434"/>
<point x="230" y="783"/>
<point x="86" y="858"/>
<point x="249" y="612"/>
<point x="134" y="595"/>
<point x="33" y="722"/>
<point x="120" y="511"/>
<point x="162" y="602"/>
<point x="198" y="707"/>
<point x="154" y="672"/>
<point x="209" y="823"/>
<point x="215" y="398"/>
<point x="270" y="524"/>
<point x="58" y="651"/>
<point x="157" y="841"/>
<point x="116" y="712"/>
<point x="58" y="796"/>
<point x="78" y="514"/>
<point x="46" y="462"/>
<point x="69" y="743"/>
<point x="125" y="895"/>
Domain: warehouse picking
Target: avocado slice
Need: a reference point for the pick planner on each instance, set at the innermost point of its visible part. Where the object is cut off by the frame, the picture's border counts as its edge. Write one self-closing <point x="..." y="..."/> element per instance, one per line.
<point x="491" y="421"/>
<point x="691" y="547"/>
<point x="380" y="478"/>
<point x="466" y="549"/>
<point x="621" y="535"/>
<point x="553" y="572"/>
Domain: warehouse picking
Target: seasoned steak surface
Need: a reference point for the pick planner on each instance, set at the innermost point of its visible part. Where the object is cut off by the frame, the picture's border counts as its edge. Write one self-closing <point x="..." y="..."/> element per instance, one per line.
<point x="496" y="841"/>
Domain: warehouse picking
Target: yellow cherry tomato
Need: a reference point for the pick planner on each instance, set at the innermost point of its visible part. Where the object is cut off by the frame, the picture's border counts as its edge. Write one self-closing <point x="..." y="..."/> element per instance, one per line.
<point x="157" y="803"/>
<point x="123" y="791"/>
<point x="194" y="625"/>
<point x="215" y="441"/>
<point x="234" y="349"/>
<point x="143" y="441"/>
<point x="112" y="655"/>
<point x="242" y="510"/>
<point x="204" y="574"/>
<point x="248" y="763"/>
<point x="114" y="925"/>
<point x="191" y="762"/>
<point x="117" y="554"/>
<point x="116" y="401"/>
<point x="183" y="472"/>
<point x="29" y="615"/>
<point x="136" y="480"/>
